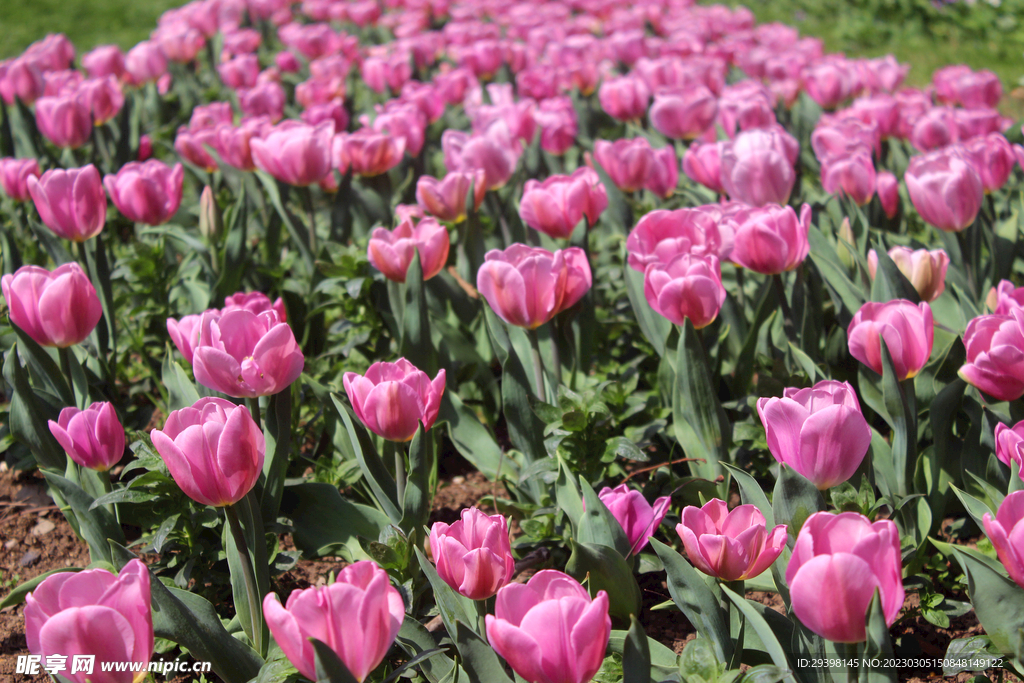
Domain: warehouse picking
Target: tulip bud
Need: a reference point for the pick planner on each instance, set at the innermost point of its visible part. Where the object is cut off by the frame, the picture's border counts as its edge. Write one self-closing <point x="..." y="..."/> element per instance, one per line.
<point x="757" y="167"/>
<point x="295" y="153"/>
<point x="210" y="222"/>
<point x="847" y="244"/>
<point x="729" y="545"/>
<point x="473" y="555"/>
<point x="662" y="235"/>
<point x="1010" y="446"/>
<point x="925" y="269"/>
<point x="93" y="437"/>
<point x="446" y="199"/>
<point x="14" y="175"/>
<point x="638" y="518"/>
<point x="770" y="239"/>
<point x="945" y="189"/>
<point x="888" y="192"/>
<point x="391" y="251"/>
<point x="146" y="192"/>
<point x="688" y="286"/>
<point x="908" y="331"/>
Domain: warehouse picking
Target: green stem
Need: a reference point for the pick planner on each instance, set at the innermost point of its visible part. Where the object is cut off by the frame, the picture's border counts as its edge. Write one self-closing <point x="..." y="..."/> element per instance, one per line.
<point x="395" y="451"/>
<point x="252" y="592"/>
<point x="481" y="614"/>
<point x="556" y="328"/>
<point x="538" y="365"/>
<point x="253" y="404"/>
<point x="787" y="313"/>
<point x="307" y="196"/>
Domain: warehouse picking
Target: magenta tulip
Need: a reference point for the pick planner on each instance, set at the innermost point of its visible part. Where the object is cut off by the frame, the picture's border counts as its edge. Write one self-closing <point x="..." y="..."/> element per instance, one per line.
<point x="687" y="286"/>
<point x="993" y="159"/>
<point x="21" y="78"/>
<point x="549" y="630"/>
<point x="771" y="239"/>
<point x="1010" y="446"/>
<point x="391" y="251"/>
<point x="392" y="399"/>
<point x="93" y="437"/>
<point x="663" y="174"/>
<point x="213" y="449"/>
<point x="887" y="187"/>
<point x="683" y="113"/>
<point x="557" y="205"/>
<point x="959" y="84"/>
<point x="638" y="518"/>
<point x="473" y="555"/>
<point x="55" y="309"/>
<point x="851" y="175"/>
<point x="995" y="355"/>
<point x="295" y="153"/>
<point x="239" y="72"/>
<point x="627" y="162"/>
<point x="494" y="151"/>
<point x="846" y="558"/>
<point x="1005" y="533"/>
<point x="93" y="612"/>
<point x="184" y="333"/>
<point x="908" y="331"/>
<point x="267" y="98"/>
<point x="945" y="189"/>
<point x="556" y="118"/>
<point x="357" y="616"/>
<point x="255" y="303"/>
<point x="146" y="191"/>
<point x="701" y="163"/>
<point x="624" y="98"/>
<point x="662" y="235"/>
<point x="925" y="269"/>
<point x="14" y="175"/>
<point x="192" y="144"/>
<point x="70" y="202"/>
<point x="146" y="62"/>
<point x="104" y="60"/>
<point x="1005" y="297"/>
<point x="730" y="545"/>
<point x="446" y="199"/>
<point x="367" y="152"/>
<point x="528" y="286"/>
<point x="820" y="432"/>
<point x="245" y="355"/>
<point x="65" y="120"/>
<point x="757" y="167"/>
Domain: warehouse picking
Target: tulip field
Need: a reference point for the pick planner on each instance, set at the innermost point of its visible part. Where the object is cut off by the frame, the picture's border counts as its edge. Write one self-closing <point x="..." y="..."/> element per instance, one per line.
<point x="545" y="341"/>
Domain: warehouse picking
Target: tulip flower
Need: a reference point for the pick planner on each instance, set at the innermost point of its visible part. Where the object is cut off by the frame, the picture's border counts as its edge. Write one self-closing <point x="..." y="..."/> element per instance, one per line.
<point x="192" y="144"/>
<point x="255" y="303"/>
<point x="852" y="175"/>
<point x="14" y="175"/>
<point x="242" y="354"/>
<point x="104" y="60"/>
<point x="391" y="251"/>
<point x="683" y="113"/>
<point x="493" y="151"/>
<point x="688" y="286"/>
<point x="267" y="98"/>
<point x="843" y="559"/>
<point x="446" y="199"/>
<point x="234" y="145"/>
<point x="820" y="432"/>
<point x="146" y="62"/>
<point x="104" y="97"/>
<point x="392" y="399"/>
<point x="1002" y="532"/>
<point x="1010" y="446"/>
<point x="357" y="616"/>
<point x="757" y="167"/>
<point x="908" y="331"/>
<point x="55" y="309"/>
<point x="627" y="162"/>
<point x="771" y="240"/>
<point x="829" y="81"/>
<point x="945" y="189"/>
<point x="662" y="235"/>
<point x="556" y="118"/>
<point x="93" y="612"/>
<point x="624" y="98"/>
<point x="65" y="120"/>
<point x="995" y="355"/>
<point x="729" y="545"/>
<point x="70" y="202"/>
<point x="888" y="191"/>
<point x="638" y="518"/>
<point x="663" y="174"/>
<point x="959" y="84"/>
<point x="701" y="163"/>
<point x="146" y="191"/>
<point x="925" y="269"/>
<point x="367" y="152"/>
<point x="239" y="72"/>
<point x="21" y="78"/>
<point x="184" y="333"/>
<point x="406" y="123"/>
<point x="93" y="437"/>
<point x="549" y="630"/>
<point x="473" y="555"/>
<point x="295" y="153"/>
<point x="993" y="159"/>
<point x="213" y="449"/>
<point x="1005" y="297"/>
<point x="557" y="205"/>
<point x="528" y="286"/>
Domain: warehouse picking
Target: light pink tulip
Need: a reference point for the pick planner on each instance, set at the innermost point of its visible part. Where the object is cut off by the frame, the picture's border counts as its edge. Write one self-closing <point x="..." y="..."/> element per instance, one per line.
<point x="662" y="235"/>
<point x="357" y="616"/>
<point x="837" y="137"/>
<point x="255" y="303"/>
<point x="887" y="187"/>
<point x="995" y="355"/>
<point x="934" y="129"/>
<point x="687" y="286"/>
<point x="191" y="145"/>
<point x="184" y="333"/>
<point x="757" y="167"/>
<point x="746" y="105"/>
<point x="294" y="152"/>
<point x="528" y="286"/>
<point x="104" y="60"/>
<point x="701" y="163"/>
<point x="239" y="72"/>
<point x="392" y="399"/>
<point x="638" y="518"/>
<point x="908" y="331"/>
<point x="1005" y="533"/>
<point x="851" y="175"/>
<point x="391" y="251"/>
<point x="427" y="99"/>
<point x="959" y="84"/>
<point x="730" y="545"/>
<point x="771" y="239"/>
<point x="65" y="120"/>
<point x="405" y="122"/>
<point x="624" y="98"/>
<point x="234" y="145"/>
<point x="367" y="152"/>
<point x="104" y="97"/>
<point x="663" y="174"/>
<point x="21" y="78"/>
<point x="213" y="449"/>
<point x="473" y="555"/>
<point x="93" y="612"/>
<point x="55" y="309"/>
<point x="557" y="205"/>
<point x="93" y="437"/>
<point x="146" y="62"/>
<point x="549" y="630"/>
<point x="14" y="175"/>
<point x="446" y="199"/>
<point x="1010" y="446"/>
<point x="683" y="113"/>
<point x="925" y="269"/>
<point x="146" y="191"/>
<point x="820" y="432"/>
<point x="179" y="41"/>
<point x="945" y="189"/>
<point x="330" y="111"/>
<point x="972" y="123"/>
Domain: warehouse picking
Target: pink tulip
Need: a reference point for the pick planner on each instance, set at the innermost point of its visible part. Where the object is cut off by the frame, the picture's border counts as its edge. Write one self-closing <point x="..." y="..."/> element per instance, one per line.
<point x="446" y="199"/>
<point x="391" y="251"/>
<point x="184" y="333"/>
<point x="1005" y="297"/>
<point x="367" y="152"/>
<point x="662" y="235"/>
<point x="330" y="111"/>
<point x="701" y="163"/>
<point x="663" y="174"/>
<point x="93" y="612"/>
<point x="624" y="98"/>
<point x="885" y="74"/>
<point x="406" y="123"/>
<point x="1010" y="446"/>
<point x="528" y="286"/>
<point x="146" y="192"/>
<point x="757" y="167"/>
<point x="687" y="286"/>
<point x="844" y="559"/>
<point x="995" y="355"/>
<point x="146" y="62"/>
<point x="556" y="118"/>
<point x="213" y="449"/>
<point x="21" y="78"/>
<point x="104" y="60"/>
<point x="837" y="137"/>
<point x="104" y="97"/>
<point x="1002" y="531"/>
<point x="239" y="41"/>
<point x="453" y="85"/>
<point x="945" y="189"/>
<point x="925" y="269"/>
<point x="245" y="355"/>
<point x="729" y="545"/>
<point x="493" y="151"/>
<point x="557" y="205"/>
<point x="145" y="150"/>
<point x="683" y="113"/>
<point x="427" y="99"/>
<point x="287" y="62"/>
<point x="93" y="437"/>
<point x="473" y="555"/>
<point x="959" y="84"/>
<point x="240" y="72"/>
<point x="851" y="175"/>
<point x="309" y="40"/>
<point x="627" y="162"/>
<point x="265" y="99"/>
<point x="192" y="144"/>
<point x="255" y="303"/>
<point x="638" y="518"/>
<point x="820" y="432"/>
<point x="234" y="145"/>
<point x="830" y="81"/>
<point x="881" y="111"/>
<point x="887" y="187"/>
<point x="908" y="331"/>
<point x="549" y="630"/>
<point x="973" y="123"/>
<point x="392" y="399"/>
<point x="65" y="120"/>
<point x="934" y="129"/>
<point x="55" y="309"/>
<point x="14" y="175"/>
<point x="179" y="41"/>
<point x="771" y="239"/>
<point x="993" y="159"/>
<point x="357" y="616"/>
<point x="295" y="153"/>
<point x="746" y="105"/>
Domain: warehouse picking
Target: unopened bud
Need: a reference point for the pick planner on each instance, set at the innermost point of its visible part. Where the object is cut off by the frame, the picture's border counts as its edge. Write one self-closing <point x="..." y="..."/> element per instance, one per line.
<point x="847" y="246"/>
<point x="210" y="223"/>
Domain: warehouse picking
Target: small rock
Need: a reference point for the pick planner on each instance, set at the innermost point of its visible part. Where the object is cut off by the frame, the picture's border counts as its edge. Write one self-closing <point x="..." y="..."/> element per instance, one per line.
<point x="32" y="496"/>
<point x="459" y="479"/>
<point x="29" y="558"/>
<point x="43" y="527"/>
<point x="11" y="543"/>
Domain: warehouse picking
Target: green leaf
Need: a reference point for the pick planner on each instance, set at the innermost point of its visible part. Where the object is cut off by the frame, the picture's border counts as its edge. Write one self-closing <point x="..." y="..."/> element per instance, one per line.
<point x="664" y="662"/>
<point x="832" y="271"/>
<point x="567" y="495"/>
<point x="472" y="439"/>
<point x="878" y="645"/>
<point x="415" y="640"/>
<point x="422" y="470"/>
<point x="700" y="424"/>
<point x="765" y="673"/>
<point x="479" y="659"/>
<point x="416" y="344"/>
<point x="890" y="283"/>
<point x="794" y="500"/>
<point x="974" y="653"/>
<point x="975" y="508"/>
<point x="17" y="596"/>
<point x="124" y="495"/>
<point x="45" y="373"/>
<point x="28" y="415"/>
<point x="598" y="525"/>
<point x="329" y="667"/>
<point x="900" y="404"/>
<point x="181" y="392"/>
<point x="636" y="655"/>
<point x="655" y="327"/>
<point x="325" y="523"/>
<point x="277" y="431"/>
<point x="452" y="606"/>
<point x="609" y="572"/>
<point x="299" y="234"/>
<point x="380" y="480"/>
<point x="763" y="631"/>
<point x="96" y="526"/>
<point x="998" y="603"/>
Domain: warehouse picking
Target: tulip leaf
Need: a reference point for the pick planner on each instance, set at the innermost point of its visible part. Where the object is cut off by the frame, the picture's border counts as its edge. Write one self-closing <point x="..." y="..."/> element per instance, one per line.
<point x="998" y="603"/>
<point x="416" y="640"/>
<point x="609" y="572"/>
<point x="764" y="632"/>
<point x="325" y="523"/>
<point x="479" y="659"/>
<point x="746" y="358"/>
<point x="693" y="597"/>
<point x="472" y="439"/>
<point x="43" y="370"/>
<point x="968" y="650"/>
<point x="181" y="392"/>
<point x="878" y="645"/>
<point x="255" y="555"/>
<point x="655" y="327"/>
<point x="380" y="480"/>
<point x="900" y="403"/>
<point x="298" y="231"/>
<point x="96" y="526"/>
<point x="597" y="525"/>
<point x="567" y="495"/>
<point x="416" y="345"/>
<point x="99" y="273"/>
<point x="890" y="282"/>
<point x="794" y="499"/>
<point x="699" y="421"/>
<point x="832" y="271"/>
<point x="452" y="606"/>
<point x="192" y="622"/>
<point x="636" y="654"/>
<point x="975" y="508"/>
<point x="277" y="432"/>
<point x="17" y="596"/>
<point x="664" y="663"/>
<point x="422" y="471"/>
<point x="329" y="667"/>
<point x="29" y="412"/>
<point x="751" y="493"/>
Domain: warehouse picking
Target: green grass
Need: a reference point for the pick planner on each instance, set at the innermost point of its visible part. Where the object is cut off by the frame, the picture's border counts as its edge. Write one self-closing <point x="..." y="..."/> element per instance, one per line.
<point x="87" y="23"/>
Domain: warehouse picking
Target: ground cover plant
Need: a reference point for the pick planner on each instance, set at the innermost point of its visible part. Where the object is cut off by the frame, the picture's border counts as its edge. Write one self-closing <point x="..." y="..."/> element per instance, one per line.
<point x="725" y="330"/>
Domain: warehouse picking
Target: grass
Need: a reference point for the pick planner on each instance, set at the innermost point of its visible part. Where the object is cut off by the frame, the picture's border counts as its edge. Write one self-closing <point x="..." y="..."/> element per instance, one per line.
<point x="87" y="23"/>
